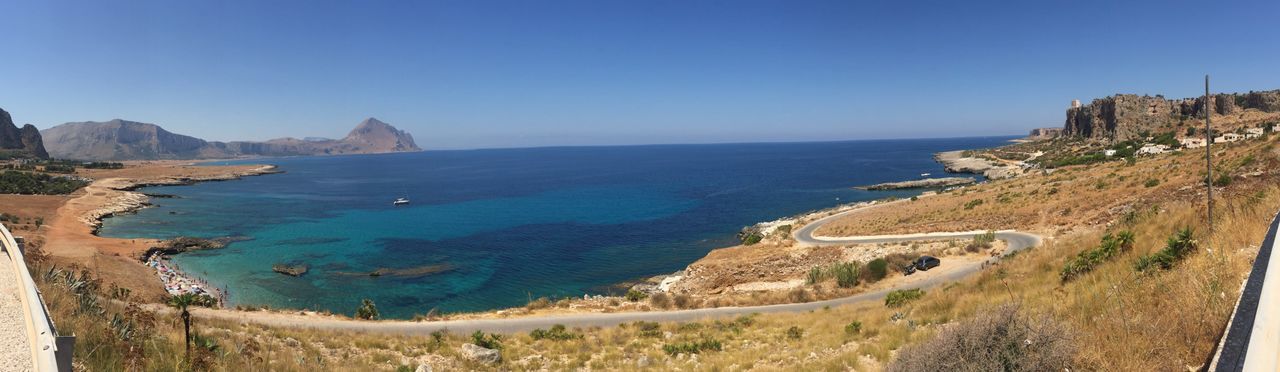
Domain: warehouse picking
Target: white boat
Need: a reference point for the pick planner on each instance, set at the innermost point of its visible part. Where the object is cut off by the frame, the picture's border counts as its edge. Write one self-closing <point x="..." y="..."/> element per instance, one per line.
<point x="400" y="201"/>
<point x="924" y="175"/>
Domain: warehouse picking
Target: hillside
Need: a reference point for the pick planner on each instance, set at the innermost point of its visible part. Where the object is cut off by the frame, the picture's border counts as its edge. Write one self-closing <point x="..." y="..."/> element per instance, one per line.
<point x="127" y="140"/>
<point x="15" y="142"/>
<point x="1128" y="116"/>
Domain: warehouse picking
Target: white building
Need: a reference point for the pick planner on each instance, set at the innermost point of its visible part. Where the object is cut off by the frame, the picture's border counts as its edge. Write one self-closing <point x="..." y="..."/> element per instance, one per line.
<point x="1109" y="152"/>
<point x="1152" y="149"/>
<point x="1253" y="132"/>
<point x="1275" y="128"/>
<point x="1228" y="137"/>
<point x="1192" y="143"/>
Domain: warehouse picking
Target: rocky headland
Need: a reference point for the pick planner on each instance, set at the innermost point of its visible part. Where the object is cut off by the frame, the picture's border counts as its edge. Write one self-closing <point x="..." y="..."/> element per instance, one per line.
<point x="921" y="183"/>
<point x="1129" y="116"/>
<point x="959" y="162"/>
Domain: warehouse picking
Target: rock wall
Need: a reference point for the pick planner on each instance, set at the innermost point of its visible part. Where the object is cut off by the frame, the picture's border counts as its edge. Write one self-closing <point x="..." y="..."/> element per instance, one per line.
<point x="1126" y="116"/>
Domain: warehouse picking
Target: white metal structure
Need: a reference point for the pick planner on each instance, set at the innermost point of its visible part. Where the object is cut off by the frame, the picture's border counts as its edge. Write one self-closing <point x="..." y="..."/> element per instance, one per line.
<point x="40" y="333"/>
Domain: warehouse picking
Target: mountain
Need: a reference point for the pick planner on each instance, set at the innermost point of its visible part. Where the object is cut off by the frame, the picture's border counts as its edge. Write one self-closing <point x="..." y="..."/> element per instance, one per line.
<point x="1128" y="116"/>
<point x="15" y="142"/>
<point x="127" y="140"/>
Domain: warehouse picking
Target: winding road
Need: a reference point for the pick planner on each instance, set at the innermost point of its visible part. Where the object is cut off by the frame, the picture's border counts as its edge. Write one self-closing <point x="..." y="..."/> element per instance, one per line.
<point x="1016" y="241"/>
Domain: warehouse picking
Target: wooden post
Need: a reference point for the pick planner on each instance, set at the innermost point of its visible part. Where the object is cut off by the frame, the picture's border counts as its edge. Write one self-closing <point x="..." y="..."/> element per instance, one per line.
<point x="1208" y="157"/>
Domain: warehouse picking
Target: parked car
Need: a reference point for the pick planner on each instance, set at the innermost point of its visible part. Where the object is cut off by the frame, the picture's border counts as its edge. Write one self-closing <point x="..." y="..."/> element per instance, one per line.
<point x="924" y="263"/>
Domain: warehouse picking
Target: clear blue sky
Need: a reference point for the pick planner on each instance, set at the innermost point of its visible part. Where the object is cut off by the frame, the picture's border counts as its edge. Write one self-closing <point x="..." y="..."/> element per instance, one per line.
<point x="467" y="74"/>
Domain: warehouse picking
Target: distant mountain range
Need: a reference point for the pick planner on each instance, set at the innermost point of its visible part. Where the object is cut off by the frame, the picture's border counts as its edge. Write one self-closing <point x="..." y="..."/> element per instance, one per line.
<point x="128" y="140"/>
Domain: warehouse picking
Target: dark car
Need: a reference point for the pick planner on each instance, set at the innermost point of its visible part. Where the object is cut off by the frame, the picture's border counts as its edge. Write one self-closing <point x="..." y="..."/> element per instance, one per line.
<point x="924" y="263"/>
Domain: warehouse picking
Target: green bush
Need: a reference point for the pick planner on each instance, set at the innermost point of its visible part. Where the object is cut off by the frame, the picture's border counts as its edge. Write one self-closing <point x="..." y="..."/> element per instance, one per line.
<point x="1176" y="247"/>
<point x="853" y="328"/>
<point x="1151" y="183"/>
<point x="1222" y="180"/>
<point x="692" y="347"/>
<point x="902" y="297"/>
<point x="876" y="269"/>
<point x="972" y="203"/>
<point x="556" y="333"/>
<point x="795" y="333"/>
<point x="815" y="275"/>
<point x="846" y="274"/>
<point x="367" y="310"/>
<point x="1085" y="261"/>
<point x="634" y="295"/>
<point x="487" y="340"/>
<point x="751" y="238"/>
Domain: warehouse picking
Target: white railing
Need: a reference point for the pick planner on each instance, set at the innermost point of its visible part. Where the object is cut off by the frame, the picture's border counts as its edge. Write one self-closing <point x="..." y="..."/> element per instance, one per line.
<point x="1252" y="339"/>
<point x="40" y="332"/>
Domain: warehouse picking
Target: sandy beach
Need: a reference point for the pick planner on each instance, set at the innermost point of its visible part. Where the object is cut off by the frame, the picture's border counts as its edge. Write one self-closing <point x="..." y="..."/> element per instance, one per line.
<point x="68" y="235"/>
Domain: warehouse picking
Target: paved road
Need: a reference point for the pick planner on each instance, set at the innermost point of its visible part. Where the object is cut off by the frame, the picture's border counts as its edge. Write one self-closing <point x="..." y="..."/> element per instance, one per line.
<point x="15" y="350"/>
<point x="1016" y="241"/>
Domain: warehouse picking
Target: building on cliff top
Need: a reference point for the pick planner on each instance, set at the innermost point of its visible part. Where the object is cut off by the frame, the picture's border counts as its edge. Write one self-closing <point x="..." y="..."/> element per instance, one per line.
<point x="1075" y="103"/>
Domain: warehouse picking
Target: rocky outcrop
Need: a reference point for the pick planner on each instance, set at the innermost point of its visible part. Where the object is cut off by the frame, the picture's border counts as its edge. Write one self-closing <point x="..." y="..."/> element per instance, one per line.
<point x="290" y="270"/>
<point x="1127" y="116"/>
<point x="957" y="162"/>
<point x="128" y="140"/>
<point x="480" y="354"/>
<point x="1045" y="133"/>
<point x="22" y="142"/>
<point x="924" y="183"/>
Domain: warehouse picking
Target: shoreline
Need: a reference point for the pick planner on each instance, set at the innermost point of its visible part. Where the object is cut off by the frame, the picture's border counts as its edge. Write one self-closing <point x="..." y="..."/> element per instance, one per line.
<point x="72" y="238"/>
<point x="126" y="199"/>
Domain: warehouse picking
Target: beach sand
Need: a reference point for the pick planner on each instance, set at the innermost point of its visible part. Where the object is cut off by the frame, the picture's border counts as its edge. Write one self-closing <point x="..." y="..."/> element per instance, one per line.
<point x="67" y="234"/>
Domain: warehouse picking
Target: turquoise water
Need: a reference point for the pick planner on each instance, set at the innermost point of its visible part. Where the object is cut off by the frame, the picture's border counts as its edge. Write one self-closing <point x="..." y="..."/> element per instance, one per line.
<point x="509" y="224"/>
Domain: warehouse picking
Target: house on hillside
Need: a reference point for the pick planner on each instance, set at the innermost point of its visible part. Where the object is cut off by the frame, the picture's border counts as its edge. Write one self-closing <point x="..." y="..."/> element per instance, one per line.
<point x="1109" y="152"/>
<point x="1192" y="143"/>
<point x="1228" y="137"/>
<point x="1253" y="132"/>
<point x="1153" y="149"/>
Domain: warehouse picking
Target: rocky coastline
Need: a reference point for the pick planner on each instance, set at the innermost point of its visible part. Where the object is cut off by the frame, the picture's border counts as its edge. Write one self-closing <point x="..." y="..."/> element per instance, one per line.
<point x="958" y="162"/>
<point x="127" y="200"/>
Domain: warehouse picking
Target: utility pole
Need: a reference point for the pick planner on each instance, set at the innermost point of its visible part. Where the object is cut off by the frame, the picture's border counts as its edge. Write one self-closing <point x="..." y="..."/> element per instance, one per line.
<point x="1208" y="156"/>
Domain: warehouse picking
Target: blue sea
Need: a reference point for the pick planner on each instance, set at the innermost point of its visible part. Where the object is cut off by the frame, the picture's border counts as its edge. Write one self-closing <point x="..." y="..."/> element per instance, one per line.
<point x="510" y="224"/>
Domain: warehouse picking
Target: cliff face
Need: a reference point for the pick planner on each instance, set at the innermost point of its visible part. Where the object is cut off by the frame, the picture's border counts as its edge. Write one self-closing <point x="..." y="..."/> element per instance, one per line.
<point x="127" y="140"/>
<point x="24" y="142"/>
<point x="1126" y="116"/>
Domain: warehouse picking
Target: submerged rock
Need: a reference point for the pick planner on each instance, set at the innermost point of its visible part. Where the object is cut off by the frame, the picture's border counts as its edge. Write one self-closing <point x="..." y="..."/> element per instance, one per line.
<point x="290" y="270"/>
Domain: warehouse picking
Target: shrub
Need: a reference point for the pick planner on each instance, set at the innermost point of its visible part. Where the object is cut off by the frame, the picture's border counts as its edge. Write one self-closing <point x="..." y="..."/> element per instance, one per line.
<point x="692" y="347"/>
<point x="1176" y="247"/>
<point x="487" y="340"/>
<point x="815" y="275"/>
<point x="556" y="333"/>
<point x="853" y="328"/>
<point x="649" y="329"/>
<point x="783" y="230"/>
<point x="540" y="303"/>
<point x="1000" y="340"/>
<point x="634" y="295"/>
<point x="1151" y="183"/>
<point x="972" y="203"/>
<point x="981" y="241"/>
<point x="1222" y="180"/>
<point x="846" y="274"/>
<point x="660" y="300"/>
<point x="683" y="301"/>
<point x="901" y="297"/>
<point x="795" y="333"/>
<point x="367" y="310"/>
<point x="876" y="269"/>
<point x="1085" y="261"/>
